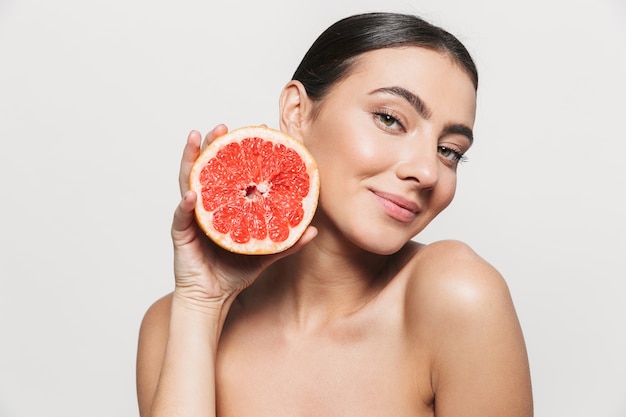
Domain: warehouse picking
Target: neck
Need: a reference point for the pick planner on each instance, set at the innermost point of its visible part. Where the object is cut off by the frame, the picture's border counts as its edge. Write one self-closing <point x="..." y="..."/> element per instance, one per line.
<point x="319" y="284"/>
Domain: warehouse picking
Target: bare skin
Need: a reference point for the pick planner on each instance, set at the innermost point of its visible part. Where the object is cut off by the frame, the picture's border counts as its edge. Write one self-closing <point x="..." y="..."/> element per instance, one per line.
<point x="352" y="321"/>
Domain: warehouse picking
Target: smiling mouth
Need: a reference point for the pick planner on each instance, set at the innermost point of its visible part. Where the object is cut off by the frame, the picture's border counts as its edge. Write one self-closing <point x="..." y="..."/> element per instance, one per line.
<point x="397" y="207"/>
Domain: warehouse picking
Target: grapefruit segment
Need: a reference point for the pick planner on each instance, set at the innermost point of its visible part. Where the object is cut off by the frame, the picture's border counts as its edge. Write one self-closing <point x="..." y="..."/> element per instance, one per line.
<point x="257" y="190"/>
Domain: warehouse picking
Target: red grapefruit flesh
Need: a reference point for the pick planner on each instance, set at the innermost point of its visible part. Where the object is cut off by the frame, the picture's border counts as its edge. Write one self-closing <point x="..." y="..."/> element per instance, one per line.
<point x="257" y="190"/>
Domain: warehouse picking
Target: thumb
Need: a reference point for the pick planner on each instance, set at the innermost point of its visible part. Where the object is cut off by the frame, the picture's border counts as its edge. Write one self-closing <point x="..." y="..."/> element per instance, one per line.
<point x="184" y="224"/>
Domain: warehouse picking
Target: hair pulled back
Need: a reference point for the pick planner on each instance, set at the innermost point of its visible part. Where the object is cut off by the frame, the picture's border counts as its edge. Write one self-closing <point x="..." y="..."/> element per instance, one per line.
<point x="333" y="53"/>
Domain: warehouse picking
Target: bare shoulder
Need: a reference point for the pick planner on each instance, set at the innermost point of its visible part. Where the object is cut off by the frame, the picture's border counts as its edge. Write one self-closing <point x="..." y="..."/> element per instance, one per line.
<point x="153" y="336"/>
<point x="461" y="306"/>
<point x="454" y="279"/>
<point x="157" y="314"/>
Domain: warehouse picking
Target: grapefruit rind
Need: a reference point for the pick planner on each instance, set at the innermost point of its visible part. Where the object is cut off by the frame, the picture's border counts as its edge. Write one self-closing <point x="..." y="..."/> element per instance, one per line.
<point x="205" y="219"/>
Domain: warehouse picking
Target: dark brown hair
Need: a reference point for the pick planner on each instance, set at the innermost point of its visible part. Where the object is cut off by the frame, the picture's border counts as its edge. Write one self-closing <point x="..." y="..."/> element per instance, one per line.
<point x="333" y="53"/>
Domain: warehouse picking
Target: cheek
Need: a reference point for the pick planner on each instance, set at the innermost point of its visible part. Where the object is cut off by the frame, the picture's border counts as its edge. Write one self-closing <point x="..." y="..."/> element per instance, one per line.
<point x="444" y="193"/>
<point x="360" y="150"/>
<point x="342" y="147"/>
<point x="349" y="161"/>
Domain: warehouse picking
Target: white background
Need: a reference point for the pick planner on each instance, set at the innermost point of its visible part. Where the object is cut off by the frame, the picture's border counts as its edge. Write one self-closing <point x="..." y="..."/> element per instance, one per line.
<point x="96" y="100"/>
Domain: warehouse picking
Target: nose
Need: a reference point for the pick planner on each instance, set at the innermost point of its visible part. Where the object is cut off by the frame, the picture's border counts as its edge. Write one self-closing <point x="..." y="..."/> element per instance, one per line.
<point x="420" y="164"/>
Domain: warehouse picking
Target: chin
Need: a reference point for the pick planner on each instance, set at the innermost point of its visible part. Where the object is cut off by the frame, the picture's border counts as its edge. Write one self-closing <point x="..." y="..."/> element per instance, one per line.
<point x="385" y="243"/>
<point x="381" y="246"/>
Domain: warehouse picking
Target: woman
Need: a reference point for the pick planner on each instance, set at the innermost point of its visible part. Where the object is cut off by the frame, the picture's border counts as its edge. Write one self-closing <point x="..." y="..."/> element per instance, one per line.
<point x="356" y="319"/>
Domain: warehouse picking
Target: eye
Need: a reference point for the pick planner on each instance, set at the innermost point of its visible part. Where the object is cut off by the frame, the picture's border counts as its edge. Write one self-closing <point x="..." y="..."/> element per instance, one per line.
<point x="451" y="155"/>
<point x="387" y="121"/>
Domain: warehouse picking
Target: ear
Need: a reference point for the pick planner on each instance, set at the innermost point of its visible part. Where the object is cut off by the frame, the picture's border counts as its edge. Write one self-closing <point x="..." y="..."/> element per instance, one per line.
<point x="295" y="108"/>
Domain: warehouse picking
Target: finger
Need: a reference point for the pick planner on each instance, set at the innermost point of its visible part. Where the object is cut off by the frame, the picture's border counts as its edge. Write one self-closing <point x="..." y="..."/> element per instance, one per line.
<point x="183" y="225"/>
<point x="190" y="154"/>
<point x="308" y="235"/>
<point x="217" y="131"/>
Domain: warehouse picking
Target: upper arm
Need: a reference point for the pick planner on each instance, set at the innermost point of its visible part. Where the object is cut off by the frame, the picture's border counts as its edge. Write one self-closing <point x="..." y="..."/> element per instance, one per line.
<point x="480" y="365"/>
<point x="153" y="336"/>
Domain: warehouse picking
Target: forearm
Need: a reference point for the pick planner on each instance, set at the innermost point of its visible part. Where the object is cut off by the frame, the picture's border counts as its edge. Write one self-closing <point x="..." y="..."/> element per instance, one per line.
<point x="186" y="384"/>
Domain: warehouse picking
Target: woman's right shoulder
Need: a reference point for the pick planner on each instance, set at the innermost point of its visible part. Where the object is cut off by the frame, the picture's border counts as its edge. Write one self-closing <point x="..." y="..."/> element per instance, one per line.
<point x="153" y="334"/>
<point x="154" y="328"/>
<point x="158" y="313"/>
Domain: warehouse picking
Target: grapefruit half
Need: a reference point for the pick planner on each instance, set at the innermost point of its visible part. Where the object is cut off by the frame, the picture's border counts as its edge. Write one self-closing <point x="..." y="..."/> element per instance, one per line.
<point x="257" y="190"/>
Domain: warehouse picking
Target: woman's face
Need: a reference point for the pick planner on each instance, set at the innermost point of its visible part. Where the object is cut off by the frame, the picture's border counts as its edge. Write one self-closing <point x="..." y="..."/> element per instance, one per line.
<point x="387" y="140"/>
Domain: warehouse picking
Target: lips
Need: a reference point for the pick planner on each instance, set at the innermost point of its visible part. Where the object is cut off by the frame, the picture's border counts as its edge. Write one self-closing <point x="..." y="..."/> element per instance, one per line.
<point x="397" y="207"/>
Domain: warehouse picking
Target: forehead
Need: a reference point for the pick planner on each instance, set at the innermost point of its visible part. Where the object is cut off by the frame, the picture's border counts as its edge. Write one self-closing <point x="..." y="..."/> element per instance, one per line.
<point x="432" y="75"/>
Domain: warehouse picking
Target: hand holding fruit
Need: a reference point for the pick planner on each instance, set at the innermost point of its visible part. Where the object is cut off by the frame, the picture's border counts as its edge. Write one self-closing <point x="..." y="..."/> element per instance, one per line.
<point x="206" y="273"/>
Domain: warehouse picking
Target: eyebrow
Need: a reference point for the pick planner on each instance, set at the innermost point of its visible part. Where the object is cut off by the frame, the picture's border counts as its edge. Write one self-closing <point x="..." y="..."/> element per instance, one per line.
<point x="459" y="129"/>
<point x="423" y="110"/>
<point x="413" y="99"/>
